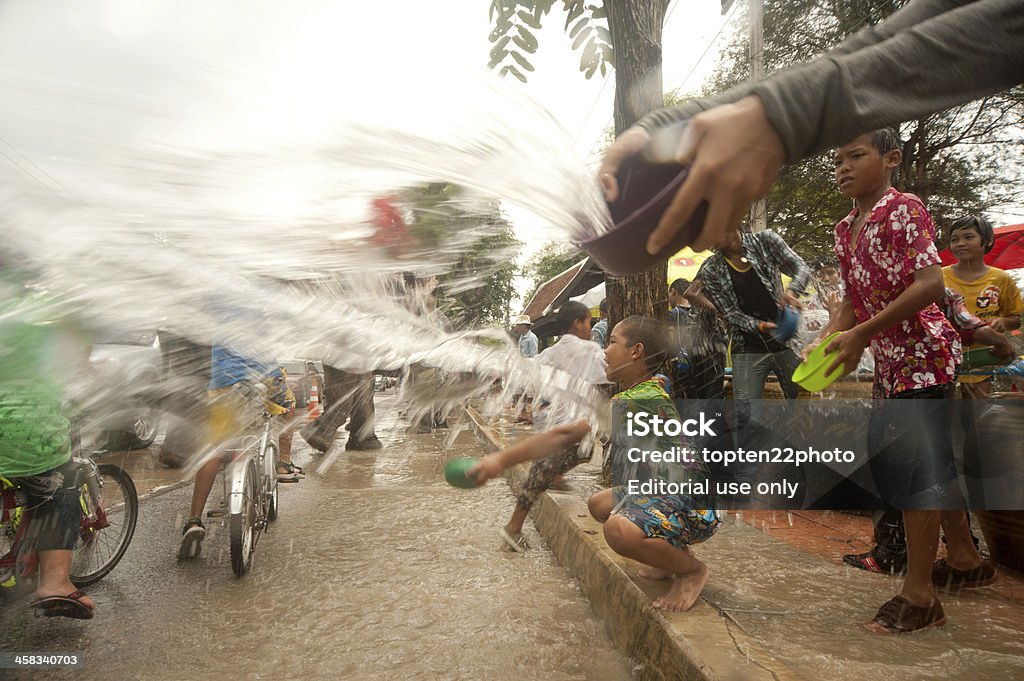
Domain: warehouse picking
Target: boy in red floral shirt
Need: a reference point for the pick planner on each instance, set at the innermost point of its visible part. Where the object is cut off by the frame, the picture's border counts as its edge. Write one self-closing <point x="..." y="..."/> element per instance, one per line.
<point x="892" y="276"/>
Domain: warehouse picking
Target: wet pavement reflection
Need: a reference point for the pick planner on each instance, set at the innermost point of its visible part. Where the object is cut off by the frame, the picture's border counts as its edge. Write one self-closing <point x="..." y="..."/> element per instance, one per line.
<point x="377" y="569"/>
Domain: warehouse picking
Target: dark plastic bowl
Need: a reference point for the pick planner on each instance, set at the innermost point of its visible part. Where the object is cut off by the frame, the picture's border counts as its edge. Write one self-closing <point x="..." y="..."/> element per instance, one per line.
<point x="645" y="191"/>
<point x="785" y="324"/>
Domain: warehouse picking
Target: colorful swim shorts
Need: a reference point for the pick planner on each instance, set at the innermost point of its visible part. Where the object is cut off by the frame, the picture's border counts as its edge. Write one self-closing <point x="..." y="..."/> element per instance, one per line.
<point x="671" y="517"/>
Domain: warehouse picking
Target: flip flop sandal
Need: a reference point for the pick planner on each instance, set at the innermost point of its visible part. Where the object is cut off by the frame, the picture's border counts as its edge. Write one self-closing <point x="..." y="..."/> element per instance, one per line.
<point x="292" y="472"/>
<point x="516" y="543"/>
<point x="944" y="576"/>
<point x="900" y="616"/>
<point x="870" y="563"/>
<point x="63" y="606"/>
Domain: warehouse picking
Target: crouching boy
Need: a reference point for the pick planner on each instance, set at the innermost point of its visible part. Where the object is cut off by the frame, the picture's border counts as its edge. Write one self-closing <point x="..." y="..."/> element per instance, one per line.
<point x="656" y="530"/>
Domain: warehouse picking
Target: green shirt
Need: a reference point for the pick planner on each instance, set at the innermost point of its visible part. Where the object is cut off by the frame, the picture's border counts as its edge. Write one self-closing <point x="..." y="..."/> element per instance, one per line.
<point x="647" y="396"/>
<point x="34" y="433"/>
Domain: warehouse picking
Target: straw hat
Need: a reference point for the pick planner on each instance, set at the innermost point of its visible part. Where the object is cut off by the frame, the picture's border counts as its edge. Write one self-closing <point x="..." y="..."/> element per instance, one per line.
<point x="522" y="319"/>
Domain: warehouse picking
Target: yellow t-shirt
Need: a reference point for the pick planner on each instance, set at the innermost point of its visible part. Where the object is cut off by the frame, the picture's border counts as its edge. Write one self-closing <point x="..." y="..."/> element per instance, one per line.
<point x="993" y="294"/>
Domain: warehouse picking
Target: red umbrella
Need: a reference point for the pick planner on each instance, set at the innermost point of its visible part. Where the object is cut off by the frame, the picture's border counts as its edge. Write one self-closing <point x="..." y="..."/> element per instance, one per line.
<point x="1006" y="254"/>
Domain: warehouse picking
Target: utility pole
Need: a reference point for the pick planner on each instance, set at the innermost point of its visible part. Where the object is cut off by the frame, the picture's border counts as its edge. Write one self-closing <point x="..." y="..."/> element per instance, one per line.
<point x="759" y="211"/>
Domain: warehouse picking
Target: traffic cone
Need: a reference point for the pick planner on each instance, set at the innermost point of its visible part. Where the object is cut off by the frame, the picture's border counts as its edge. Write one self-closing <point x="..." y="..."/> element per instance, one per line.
<point x="314" y="402"/>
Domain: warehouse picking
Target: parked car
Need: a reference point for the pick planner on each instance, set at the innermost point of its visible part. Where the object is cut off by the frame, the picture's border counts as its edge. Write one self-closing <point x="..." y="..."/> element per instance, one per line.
<point x="300" y="374"/>
<point x="127" y="370"/>
<point x="382" y="382"/>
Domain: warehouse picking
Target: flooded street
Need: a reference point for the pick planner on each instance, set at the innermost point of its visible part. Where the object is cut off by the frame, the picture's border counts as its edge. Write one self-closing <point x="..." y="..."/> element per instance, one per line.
<point x="378" y="569"/>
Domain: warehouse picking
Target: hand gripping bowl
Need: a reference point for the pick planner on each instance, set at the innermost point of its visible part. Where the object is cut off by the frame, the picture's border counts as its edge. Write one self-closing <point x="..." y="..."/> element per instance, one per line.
<point x="455" y="472"/>
<point x="645" y="191"/>
<point x="786" y="324"/>
<point x="811" y="374"/>
<point x="983" y="357"/>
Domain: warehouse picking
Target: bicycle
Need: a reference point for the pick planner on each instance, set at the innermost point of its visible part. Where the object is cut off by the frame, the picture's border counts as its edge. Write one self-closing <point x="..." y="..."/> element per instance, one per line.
<point x="250" y="493"/>
<point x="110" y="511"/>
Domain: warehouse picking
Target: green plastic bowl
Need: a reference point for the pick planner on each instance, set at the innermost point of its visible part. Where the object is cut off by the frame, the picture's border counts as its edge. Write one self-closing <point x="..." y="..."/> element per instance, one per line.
<point x="811" y="374"/>
<point x="983" y="357"/>
<point x="455" y="472"/>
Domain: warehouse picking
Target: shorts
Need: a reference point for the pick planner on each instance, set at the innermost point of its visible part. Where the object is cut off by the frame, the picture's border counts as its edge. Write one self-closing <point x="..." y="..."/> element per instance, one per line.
<point x="543" y="471"/>
<point x="910" y="448"/>
<point x="54" y="498"/>
<point x="671" y="517"/>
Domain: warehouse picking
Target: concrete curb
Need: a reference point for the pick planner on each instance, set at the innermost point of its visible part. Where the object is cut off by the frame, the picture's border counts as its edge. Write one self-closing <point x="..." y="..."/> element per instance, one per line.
<point x="703" y="644"/>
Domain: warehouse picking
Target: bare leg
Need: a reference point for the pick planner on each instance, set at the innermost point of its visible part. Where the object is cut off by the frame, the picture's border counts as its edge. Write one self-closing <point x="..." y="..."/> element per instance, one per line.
<point x="922" y="543"/>
<point x="285" y="446"/>
<point x="653" y="573"/>
<point x="961" y="554"/>
<point x="205" y="478"/>
<point x="601" y="504"/>
<point x="54" y="576"/>
<point x="284" y="441"/>
<point x="515" y="524"/>
<point x="689" y="574"/>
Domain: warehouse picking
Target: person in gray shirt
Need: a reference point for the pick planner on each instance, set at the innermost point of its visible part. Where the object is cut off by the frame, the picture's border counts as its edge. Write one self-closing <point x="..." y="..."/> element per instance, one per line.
<point x="927" y="57"/>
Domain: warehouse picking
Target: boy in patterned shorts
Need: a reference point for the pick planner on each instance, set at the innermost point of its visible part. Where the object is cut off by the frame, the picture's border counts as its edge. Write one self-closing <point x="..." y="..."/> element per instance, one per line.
<point x="656" y="530"/>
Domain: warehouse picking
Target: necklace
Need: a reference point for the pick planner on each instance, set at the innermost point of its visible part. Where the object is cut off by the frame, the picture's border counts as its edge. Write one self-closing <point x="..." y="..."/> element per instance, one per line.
<point x="742" y="266"/>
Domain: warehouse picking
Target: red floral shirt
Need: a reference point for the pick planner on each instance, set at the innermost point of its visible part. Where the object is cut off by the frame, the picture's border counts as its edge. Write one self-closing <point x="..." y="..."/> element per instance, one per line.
<point x="897" y="239"/>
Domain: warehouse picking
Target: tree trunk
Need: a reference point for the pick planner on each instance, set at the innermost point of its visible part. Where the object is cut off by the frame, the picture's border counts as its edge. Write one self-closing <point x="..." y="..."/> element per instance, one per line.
<point x="636" y="27"/>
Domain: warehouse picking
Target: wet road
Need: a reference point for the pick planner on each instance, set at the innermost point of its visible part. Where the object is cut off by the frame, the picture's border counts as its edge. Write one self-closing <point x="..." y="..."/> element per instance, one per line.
<point x="376" y="569"/>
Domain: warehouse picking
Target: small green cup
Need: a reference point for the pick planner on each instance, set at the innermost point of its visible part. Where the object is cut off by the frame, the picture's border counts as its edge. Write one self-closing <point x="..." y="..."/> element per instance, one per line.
<point x="455" y="472"/>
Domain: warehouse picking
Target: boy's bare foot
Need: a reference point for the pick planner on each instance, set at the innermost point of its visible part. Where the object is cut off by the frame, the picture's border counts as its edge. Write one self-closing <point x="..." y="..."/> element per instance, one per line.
<point x="684" y="592"/>
<point x="653" y="573"/>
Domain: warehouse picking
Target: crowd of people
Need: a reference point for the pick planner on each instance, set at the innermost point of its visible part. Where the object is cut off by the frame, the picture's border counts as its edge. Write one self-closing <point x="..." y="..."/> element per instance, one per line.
<point x="891" y="286"/>
<point x="899" y="312"/>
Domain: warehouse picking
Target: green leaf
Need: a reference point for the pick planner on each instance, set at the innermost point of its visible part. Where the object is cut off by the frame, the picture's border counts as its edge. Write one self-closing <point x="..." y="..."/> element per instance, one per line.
<point x="573" y="10"/>
<point x="582" y="37"/>
<point x="497" y="56"/>
<point x="529" y="19"/>
<point x="604" y="34"/>
<point x="525" y="46"/>
<point x="529" y="41"/>
<point x="522" y="61"/>
<point x="589" y="60"/>
<point x="598" y="12"/>
<point x="499" y="51"/>
<point x="514" y="71"/>
<point x="540" y="9"/>
<point x="578" y="27"/>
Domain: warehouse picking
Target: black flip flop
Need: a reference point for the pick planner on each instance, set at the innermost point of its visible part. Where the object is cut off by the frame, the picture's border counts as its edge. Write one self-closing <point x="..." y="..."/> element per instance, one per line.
<point x="63" y="606"/>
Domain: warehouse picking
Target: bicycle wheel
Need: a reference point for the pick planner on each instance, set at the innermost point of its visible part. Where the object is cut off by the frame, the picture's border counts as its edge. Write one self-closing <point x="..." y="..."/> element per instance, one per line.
<point x="270" y="482"/>
<point x="272" y="502"/>
<point x="242" y="527"/>
<point x="105" y="532"/>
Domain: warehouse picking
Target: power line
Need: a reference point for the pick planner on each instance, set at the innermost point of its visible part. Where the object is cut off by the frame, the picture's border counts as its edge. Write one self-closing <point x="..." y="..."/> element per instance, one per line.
<point x="725" y="23"/>
<point x="668" y="15"/>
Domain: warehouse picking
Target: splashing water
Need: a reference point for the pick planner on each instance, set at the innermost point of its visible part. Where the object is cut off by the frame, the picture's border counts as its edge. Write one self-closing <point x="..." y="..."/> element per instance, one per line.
<point x="155" y="178"/>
